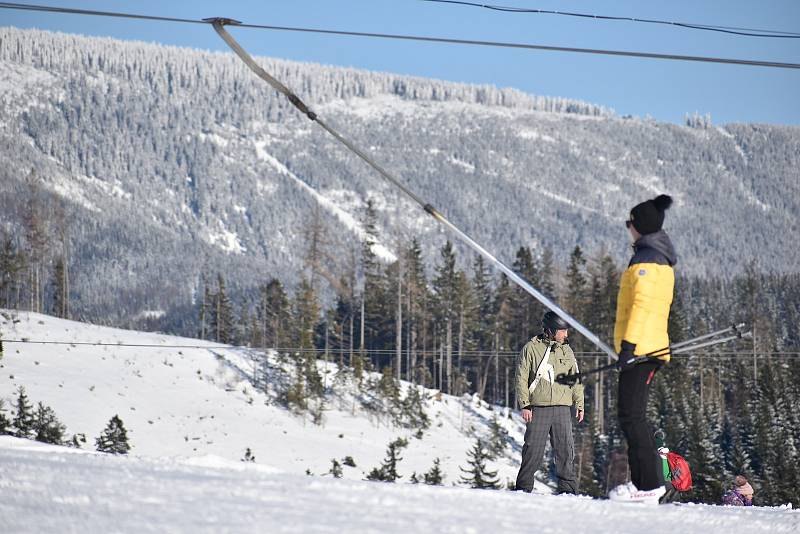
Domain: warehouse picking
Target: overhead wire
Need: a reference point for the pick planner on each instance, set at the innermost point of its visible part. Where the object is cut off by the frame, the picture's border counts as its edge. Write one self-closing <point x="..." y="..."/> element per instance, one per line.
<point x="377" y="352"/>
<point x="748" y="32"/>
<point x="441" y="40"/>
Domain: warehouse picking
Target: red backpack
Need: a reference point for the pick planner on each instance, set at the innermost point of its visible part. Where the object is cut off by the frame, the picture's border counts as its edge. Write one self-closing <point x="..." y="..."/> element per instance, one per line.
<point x="681" y="474"/>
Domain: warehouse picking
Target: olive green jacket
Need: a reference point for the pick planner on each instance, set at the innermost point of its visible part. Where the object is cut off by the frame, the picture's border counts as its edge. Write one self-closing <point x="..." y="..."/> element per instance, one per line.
<point x="547" y="393"/>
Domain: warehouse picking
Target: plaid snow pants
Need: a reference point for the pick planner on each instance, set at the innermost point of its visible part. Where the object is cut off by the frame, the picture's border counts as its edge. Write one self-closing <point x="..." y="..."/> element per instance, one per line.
<point x="554" y="422"/>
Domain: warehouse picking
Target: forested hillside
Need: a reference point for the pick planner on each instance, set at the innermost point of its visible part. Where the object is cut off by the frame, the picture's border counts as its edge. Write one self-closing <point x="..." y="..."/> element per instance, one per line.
<point x="140" y="169"/>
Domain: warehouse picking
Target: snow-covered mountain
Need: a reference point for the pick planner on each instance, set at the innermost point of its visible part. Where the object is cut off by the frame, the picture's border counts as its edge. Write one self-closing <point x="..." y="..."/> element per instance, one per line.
<point x="201" y="402"/>
<point x="176" y="162"/>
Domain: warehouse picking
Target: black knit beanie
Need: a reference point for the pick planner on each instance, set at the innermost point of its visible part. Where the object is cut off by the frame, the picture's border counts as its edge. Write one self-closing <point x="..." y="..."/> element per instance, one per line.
<point x="648" y="217"/>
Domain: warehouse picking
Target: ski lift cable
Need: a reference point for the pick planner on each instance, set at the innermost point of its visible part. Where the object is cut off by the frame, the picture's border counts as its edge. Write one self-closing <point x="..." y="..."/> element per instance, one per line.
<point x="440" y="40"/>
<point x="685" y="346"/>
<point x="684" y="353"/>
<point x="219" y="23"/>
<point x="749" y="32"/>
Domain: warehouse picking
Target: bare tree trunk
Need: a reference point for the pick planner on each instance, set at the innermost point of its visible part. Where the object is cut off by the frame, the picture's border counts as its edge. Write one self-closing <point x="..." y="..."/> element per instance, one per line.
<point x="449" y="341"/>
<point x="496" y="369"/>
<point x="275" y="332"/>
<point x="351" y="335"/>
<point x="434" y="352"/>
<point x="507" y="404"/>
<point x="701" y="385"/>
<point x="399" y="348"/>
<point x="361" y="348"/>
<point x="483" y="376"/>
<point x="264" y="316"/>
<point x="325" y="373"/>
<point x="219" y="314"/>
<point x="65" y="295"/>
<point x="460" y="344"/>
<point x="441" y="367"/>
<point x="412" y="347"/>
<point x="755" y="368"/>
<point x="409" y="368"/>
<point x="341" y="348"/>
<point x="203" y="315"/>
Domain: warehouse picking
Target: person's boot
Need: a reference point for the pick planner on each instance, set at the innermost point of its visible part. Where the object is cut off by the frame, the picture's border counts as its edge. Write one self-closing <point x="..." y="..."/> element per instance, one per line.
<point x="629" y="493"/>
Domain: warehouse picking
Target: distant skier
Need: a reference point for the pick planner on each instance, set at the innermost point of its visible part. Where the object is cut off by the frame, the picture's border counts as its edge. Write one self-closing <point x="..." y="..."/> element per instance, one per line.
<point x="643" y="303"/>
<point x="740" y="495"/>
<point x="545" y="403"/>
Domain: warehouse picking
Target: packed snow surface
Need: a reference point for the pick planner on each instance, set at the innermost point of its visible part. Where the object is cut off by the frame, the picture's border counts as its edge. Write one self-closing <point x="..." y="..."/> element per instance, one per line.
<point x="50" y="489"/>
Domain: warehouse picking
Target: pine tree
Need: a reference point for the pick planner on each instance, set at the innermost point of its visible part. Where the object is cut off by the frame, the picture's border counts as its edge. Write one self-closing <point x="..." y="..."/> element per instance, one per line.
<point x="389" y="389"/>
<point x="23" y="420"/>
<point x="434" y="476"/>
<point x="305" y="315"/>
<point x="584" y="452"/>
<point x="376" y="304"/>
<point x="114" y="439"/>
<point x="46" y="426"/>
<point x="703" y="453"/>
<point x="498" y="439"/>
<point x="416" y="285"/>
<point x="222" y="314"/>
<point x="59" y="289"/>
<point x="503" y="340"/>
<point x="275" y="314"/>
<point x="478" y="476"/>
<point x="547" y="274"/>
<point x="296" y="396"/>
<point x="576" y="295"/>
<point x="466" y="315"/>
<point x="204" y="309"/>
<point x="526" y="312"/>
<point x="12" y="265"/>
<point x="316" y="256"/>
<point x="483" y="328"/>
<point x="336" y="468"/>
<point x="5" y="424"/>
<point x="445" y="286"/>
<point x="387" y="472"/>
<point x="412" y="410"/>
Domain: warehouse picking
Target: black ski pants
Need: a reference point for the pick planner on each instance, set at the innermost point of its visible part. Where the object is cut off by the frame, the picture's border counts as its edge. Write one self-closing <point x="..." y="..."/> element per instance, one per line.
<point x="643" y="459"/>
<point x="554" y="422"/>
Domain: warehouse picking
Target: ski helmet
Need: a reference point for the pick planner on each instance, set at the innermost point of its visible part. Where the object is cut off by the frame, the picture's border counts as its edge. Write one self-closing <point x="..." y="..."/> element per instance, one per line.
<point x="552" y="322"/>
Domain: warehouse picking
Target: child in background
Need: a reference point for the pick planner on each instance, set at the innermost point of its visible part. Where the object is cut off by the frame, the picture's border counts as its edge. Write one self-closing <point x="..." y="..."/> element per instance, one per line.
<point x="740" y="495"/>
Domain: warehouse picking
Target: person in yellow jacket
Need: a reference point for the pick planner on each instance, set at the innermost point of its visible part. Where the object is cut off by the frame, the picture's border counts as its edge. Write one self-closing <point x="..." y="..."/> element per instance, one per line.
<point x="643" y="303"/>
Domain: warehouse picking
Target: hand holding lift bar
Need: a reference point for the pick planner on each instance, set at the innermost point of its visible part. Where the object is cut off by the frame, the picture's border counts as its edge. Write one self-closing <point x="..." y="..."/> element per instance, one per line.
<point x="678" y="348"/>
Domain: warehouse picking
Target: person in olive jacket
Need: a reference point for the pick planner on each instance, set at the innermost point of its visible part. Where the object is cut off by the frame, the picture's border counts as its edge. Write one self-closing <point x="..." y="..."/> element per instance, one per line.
<point x="546" y="404"/>
<point x="643" y="305"/>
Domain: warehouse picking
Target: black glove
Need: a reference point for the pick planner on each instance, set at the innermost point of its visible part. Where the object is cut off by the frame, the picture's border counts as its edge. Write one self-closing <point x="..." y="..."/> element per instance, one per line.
<point x="568" y="379"/>
<point x="626" y="357"/>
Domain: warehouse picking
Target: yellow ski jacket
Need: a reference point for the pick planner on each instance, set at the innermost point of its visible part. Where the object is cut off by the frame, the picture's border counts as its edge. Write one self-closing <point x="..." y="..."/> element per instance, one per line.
<point x="645" y="295"/>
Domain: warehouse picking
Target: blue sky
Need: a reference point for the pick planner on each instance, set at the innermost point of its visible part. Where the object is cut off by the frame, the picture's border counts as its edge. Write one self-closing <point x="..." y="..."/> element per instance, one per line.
<point x="665" y="90"/>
